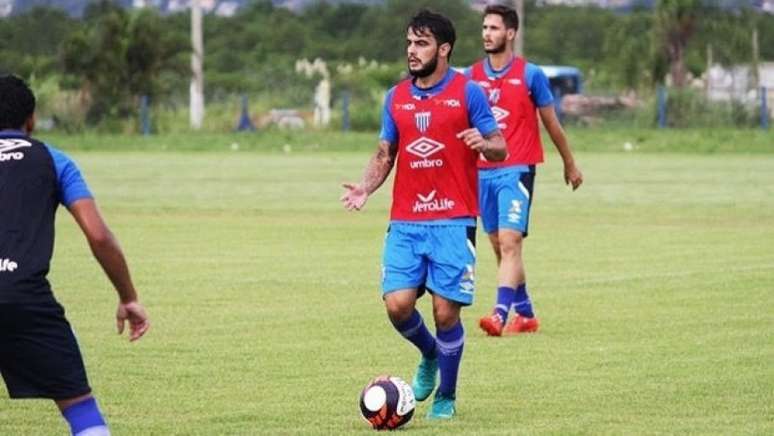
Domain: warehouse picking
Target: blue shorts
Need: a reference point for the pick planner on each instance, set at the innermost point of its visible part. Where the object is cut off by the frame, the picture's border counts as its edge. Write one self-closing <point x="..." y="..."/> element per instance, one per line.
<point x="439" y="258"/>
<point x="505" y="197"/>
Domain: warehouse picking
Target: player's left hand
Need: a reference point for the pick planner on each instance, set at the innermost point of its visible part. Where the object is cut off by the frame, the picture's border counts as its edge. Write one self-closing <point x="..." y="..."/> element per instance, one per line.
<point x="573" y="176"/>
<point x="135" y="313"/>
<point x="473" y="139"/>
<point x="355" y="197"/>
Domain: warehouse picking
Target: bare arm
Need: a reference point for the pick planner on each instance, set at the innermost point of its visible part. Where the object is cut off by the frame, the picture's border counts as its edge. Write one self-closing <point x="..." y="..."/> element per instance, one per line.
<point x="105" y="248"/>
<point x="572" y="175"/>
<point x="491" y="146"/>
<point x="379" y="167"/>
<point x="375" y="174"/>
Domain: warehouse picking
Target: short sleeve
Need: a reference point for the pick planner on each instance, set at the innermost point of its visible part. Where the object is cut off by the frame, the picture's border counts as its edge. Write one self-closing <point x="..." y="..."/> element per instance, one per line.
<point x="72" y="186"/>
<point x="479" y="113"/>
<point x="539" y="86"/>
<point x="389" y="132"/>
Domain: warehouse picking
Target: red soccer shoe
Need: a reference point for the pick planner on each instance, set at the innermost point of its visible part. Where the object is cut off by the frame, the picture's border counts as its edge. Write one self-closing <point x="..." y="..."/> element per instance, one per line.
<point x="520" y="324"/>
<point x="492" y="324"/>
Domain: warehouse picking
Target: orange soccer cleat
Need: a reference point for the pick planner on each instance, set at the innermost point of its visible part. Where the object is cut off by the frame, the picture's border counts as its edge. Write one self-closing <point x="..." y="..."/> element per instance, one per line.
<point x="492" y="324"/>
<point x="520" y="324"/>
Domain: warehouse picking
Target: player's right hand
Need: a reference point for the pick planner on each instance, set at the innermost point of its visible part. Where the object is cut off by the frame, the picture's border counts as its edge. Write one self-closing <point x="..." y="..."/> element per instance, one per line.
<point x="354" y="197"/>
<point x="135" y="313"/>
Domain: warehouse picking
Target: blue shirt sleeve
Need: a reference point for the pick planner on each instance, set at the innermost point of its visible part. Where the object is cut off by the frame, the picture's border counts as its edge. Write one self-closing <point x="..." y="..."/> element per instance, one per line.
<point x="389" y="131"/>
<point x="479" y="113"/>
<point x="72" y="186"/>
<point x="539" y="87"/>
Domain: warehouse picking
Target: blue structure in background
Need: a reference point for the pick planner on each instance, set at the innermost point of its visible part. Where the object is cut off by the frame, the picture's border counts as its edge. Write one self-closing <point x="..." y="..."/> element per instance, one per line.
<point x="564" y="80"/>
<point x="145" y="124"/>
<point x="662" y="107"/>
<point x="345" y="111"/>
<point x="245" y="123"/>
<point x="764" y="109"/>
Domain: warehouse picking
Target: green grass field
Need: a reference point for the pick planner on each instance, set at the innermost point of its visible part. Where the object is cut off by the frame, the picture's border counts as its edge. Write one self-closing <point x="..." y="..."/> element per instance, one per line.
<point x="654" y="283"/>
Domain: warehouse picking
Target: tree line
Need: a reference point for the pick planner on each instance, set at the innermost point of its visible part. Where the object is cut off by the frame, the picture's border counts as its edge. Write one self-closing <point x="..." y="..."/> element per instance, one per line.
<point x="111" y="55"/>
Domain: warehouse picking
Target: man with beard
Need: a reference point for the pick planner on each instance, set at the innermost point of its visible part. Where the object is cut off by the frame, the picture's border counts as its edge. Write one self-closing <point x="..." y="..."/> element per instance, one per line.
<point x="517" y="92"/>
<point x="39" y="355"/>
<point x="435" y="124"/>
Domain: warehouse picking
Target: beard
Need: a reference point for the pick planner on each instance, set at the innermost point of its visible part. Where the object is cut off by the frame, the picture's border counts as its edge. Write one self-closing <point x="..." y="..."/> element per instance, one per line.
<point x="426" y="69"/>
<point x="498" y="48"/>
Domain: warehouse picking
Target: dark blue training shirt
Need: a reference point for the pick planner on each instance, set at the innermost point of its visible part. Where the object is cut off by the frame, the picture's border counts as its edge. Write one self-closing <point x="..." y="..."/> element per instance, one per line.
<point x="479" y="112"/>
<point x="34" y="180"/>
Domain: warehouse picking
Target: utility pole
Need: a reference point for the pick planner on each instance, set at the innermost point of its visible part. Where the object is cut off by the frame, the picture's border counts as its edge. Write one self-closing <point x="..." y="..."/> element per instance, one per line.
<point x="197" y="69"/>
<point x="710" y="61"/>
<point x="755" y="57"/>
<point x="518" y="46"/>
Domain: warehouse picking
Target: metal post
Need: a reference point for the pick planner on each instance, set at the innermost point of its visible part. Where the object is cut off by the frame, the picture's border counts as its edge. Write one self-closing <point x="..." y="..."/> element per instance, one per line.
<point x="345" y="111"/>
<point x="145" y="126"/>
<point x="518" y="48"/>
<point x="245" y="123"/>
<point x="764" y="109"/>
<point x="197" y="66"/>
<point x="662" y="109"/>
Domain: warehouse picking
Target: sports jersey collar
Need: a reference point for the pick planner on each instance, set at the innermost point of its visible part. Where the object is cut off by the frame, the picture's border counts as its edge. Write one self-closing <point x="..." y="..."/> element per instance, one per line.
<point x="433" y="90"/>
<point x="11" y="133"/>
<point x="491" y="72"/>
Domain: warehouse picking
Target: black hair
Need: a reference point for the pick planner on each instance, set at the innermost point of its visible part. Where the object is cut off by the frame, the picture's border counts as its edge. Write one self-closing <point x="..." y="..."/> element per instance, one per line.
<point x="17" y="102"/>
<point x="441" y="27"/>
<point x="509" y="15"/>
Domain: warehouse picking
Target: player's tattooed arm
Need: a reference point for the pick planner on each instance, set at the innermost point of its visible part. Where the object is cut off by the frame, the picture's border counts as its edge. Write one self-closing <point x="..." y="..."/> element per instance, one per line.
<point x="495" y="149"/>
<point x="376" y="173"/>
<point x="379" y="166"/>
<point x="492" y="146"/>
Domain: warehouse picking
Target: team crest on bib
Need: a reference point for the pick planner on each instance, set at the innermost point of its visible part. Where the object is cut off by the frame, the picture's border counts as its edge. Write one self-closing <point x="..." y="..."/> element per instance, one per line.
<point x="423" y="120"/>
<point x="494" y="95"/>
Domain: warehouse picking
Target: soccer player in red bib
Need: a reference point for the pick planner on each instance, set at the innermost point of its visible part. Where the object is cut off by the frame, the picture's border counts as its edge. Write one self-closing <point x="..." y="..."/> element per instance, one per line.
<point x="517" y="91"/>
<point x="435" y="125"/>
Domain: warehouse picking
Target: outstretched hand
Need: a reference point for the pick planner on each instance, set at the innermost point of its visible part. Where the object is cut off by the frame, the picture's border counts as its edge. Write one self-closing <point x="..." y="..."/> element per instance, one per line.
<point x="135" y="313"/>
<point x="354" y="197"/>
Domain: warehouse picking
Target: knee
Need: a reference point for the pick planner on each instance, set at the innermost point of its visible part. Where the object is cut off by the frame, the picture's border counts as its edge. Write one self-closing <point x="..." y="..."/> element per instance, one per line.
<point x="446" y="316"/>
<point x="511" y="246"/>
<point x="398" y="311"/>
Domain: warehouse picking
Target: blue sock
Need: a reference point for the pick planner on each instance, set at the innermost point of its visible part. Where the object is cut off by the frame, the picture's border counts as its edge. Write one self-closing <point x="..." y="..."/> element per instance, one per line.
<point x="505" y="297"/>
<point x="450" y="344"/>
<point x="416" y="332"/>
<point x="521" y="302"/>
<point x="85" y="415"/>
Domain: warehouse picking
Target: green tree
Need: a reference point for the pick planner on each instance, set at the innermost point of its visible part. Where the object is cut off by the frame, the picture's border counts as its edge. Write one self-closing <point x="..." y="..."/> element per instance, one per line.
<point x="116" y="57"/>
<point x="28" y="42"/>
<point x="675" y="23"/>
<point x="628" y="55"/>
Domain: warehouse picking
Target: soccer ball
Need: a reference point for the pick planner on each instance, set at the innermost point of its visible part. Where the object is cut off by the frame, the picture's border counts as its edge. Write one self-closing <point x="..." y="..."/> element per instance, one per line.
<point x="387" y="402"/>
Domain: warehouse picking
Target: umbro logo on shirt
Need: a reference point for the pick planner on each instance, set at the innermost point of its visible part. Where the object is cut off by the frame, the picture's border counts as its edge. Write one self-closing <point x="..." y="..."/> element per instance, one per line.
<point x="425" y="148"/>
<point x="7" y="265"/>
<point x="9" y="149"/>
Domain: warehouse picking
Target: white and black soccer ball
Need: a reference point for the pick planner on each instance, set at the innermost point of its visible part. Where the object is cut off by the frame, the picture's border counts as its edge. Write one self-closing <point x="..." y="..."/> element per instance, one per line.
<point x="387" y="402"/>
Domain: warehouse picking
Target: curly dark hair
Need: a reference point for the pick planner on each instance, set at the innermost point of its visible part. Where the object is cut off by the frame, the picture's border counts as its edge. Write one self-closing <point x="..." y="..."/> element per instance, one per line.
<point x="17" y="102"/>
<point x="441" y="27"/>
